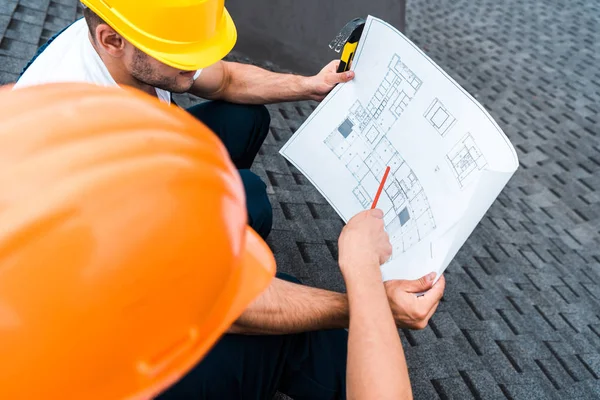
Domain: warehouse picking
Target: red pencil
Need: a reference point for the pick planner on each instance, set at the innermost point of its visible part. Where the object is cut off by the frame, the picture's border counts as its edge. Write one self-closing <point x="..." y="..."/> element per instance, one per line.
<point x="381" y="185"/>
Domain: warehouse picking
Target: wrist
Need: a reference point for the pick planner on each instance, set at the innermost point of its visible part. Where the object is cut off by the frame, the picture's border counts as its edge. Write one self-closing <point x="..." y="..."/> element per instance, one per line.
<point x="361" y="271"/>
<point x="365" y="287"/>
<point x="307" y="87"/>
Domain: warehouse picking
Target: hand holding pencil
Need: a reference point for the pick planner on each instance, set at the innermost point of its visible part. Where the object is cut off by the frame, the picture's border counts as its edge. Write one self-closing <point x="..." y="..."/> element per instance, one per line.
<point x="364" y="244"/>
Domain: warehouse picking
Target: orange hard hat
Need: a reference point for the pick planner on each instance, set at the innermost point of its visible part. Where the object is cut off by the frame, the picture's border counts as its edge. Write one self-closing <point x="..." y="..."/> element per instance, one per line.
<point x="124" y="249"/>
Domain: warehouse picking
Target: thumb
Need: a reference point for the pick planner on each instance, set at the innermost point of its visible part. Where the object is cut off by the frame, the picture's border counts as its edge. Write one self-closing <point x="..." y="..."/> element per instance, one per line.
<point x="332" y="66"/>
<point x="342" y="77"/>
<point x="420" y="285"/>
<point x="376" y="213"/>
<point x="433" y="296"/>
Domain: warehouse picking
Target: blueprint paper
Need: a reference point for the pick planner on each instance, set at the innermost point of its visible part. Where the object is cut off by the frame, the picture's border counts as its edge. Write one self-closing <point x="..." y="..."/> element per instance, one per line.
<point x="449" y="159"/>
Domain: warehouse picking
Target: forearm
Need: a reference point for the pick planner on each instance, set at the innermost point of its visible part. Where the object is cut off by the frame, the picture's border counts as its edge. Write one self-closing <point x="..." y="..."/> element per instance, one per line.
<point x="376" y="363"/>
<point x="247" y="84"/>
<point x="286" y="308"/>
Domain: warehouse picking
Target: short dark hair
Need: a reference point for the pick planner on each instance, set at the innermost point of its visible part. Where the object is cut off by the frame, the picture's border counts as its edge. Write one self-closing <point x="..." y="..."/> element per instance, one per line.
<point x="93" y="20"/>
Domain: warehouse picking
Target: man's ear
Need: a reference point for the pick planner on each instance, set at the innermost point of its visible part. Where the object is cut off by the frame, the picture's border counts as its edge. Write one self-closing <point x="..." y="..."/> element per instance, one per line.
<point x="109" y="40"/>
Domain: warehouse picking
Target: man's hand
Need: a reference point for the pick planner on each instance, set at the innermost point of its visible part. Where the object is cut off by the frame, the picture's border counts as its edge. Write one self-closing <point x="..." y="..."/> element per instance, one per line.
<point x="321" y="84"/>
<point x="364" y="245"/>
<point x="409" y="310"/>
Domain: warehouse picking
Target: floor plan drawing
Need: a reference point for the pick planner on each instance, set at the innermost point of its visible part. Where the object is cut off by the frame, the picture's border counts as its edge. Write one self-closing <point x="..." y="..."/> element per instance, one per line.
<point x="360" y="142"/>
<point x="465" y="158"/>
<point x="448" y="158"/>
<point x="439" y="117"/>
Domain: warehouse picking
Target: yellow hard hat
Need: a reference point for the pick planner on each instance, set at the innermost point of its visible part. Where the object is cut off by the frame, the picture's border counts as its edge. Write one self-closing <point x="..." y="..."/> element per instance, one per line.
<point x="124" y="248"/>
<point x="184" y="34"/>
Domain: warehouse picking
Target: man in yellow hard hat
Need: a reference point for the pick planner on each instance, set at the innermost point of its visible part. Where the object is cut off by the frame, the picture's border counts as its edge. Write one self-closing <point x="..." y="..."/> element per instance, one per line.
<point x="176" y="46"/>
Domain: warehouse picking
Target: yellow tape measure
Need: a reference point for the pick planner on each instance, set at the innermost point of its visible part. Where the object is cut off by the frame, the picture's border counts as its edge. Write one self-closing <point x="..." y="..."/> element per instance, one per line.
<point x="349" y="37"/>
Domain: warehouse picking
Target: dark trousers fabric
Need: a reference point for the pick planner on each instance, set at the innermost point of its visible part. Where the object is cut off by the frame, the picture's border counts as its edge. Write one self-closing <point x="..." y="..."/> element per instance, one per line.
<point x="243" y="129"/>
<point x="306" y="366"/>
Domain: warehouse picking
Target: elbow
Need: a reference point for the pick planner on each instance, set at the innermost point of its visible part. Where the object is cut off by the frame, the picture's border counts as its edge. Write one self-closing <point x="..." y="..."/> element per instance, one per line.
<point x="225" y="89"/>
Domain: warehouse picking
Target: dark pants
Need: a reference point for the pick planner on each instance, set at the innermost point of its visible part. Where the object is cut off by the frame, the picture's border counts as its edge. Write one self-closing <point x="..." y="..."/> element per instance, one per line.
<point x="306" y="366"/>
<point x="243" y="129"/>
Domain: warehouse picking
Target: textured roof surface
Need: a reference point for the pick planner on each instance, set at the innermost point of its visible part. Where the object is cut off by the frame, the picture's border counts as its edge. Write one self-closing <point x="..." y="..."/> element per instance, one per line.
<point x="521" y="314"/>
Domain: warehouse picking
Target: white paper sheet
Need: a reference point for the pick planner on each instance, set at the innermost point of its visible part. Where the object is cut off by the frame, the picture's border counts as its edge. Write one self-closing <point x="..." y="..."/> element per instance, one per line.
<point x="449" y="160"/>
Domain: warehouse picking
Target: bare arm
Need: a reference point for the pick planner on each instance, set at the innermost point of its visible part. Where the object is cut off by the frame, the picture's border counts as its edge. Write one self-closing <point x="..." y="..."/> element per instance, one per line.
<point x="290" y="308"/>
<point x="376" y="364"/>
<point x="247" y="84"/>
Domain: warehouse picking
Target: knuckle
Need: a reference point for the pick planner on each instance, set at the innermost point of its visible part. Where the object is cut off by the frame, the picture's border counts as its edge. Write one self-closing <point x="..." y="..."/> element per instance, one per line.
<point x="392" y="292"/>
<point x="421" y="325"/>
<point x="442" y="282"/>
<point x="420" y="316"/>
<point x="388" y="248"/>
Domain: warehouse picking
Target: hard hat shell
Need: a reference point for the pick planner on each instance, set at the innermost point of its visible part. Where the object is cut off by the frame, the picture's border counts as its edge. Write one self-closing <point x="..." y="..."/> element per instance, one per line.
<point x="124" y="249"/>
<point x="184" y="34"/>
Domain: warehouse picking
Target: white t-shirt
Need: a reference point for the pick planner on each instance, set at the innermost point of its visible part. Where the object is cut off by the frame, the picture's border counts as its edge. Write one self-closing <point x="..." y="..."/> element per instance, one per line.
<point x="72" y="58"/>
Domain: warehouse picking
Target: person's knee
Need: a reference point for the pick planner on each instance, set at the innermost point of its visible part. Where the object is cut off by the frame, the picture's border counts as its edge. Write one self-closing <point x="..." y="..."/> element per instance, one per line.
<point x="256" y="114"/>
<point x="264" y="114"/>
<point x="260" y="211"/>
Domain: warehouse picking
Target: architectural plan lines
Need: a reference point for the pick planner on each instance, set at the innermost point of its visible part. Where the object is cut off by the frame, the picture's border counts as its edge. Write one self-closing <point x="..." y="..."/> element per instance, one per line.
<point x="439" y="117"/>
<point x="360" y="143"/>
<point x="448" y="158"/>
<point x="465" y="159"/>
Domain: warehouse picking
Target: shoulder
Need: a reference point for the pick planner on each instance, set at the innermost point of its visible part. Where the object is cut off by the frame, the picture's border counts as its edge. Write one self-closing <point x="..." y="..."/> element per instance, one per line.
<point x="63" y="59"/>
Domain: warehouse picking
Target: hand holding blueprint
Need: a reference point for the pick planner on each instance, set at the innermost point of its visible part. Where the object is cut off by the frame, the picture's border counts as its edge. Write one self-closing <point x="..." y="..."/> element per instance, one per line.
<point x="449" y="160"/>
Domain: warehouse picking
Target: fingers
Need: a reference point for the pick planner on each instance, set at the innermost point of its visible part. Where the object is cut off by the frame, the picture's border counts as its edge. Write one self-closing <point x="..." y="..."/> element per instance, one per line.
<point x="431" y="299"/>
<point x="428" y="304"/>
<point x="376" y="213"/>
<point x="346" y="76"/>
<point x="335" y="78"/>
<point x="432" y="311"/>
<point x="420" y="285"/>
<point x="411" y="311"/>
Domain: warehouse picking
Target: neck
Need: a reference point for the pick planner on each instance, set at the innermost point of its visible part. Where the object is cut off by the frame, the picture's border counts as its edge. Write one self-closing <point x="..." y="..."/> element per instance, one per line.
<point x="119" y="73"/>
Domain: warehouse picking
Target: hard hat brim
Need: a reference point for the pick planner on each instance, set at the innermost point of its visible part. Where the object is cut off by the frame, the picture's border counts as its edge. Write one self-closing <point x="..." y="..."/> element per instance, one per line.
<point x="191" y="57"/>
<point x="255" y="273"/>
